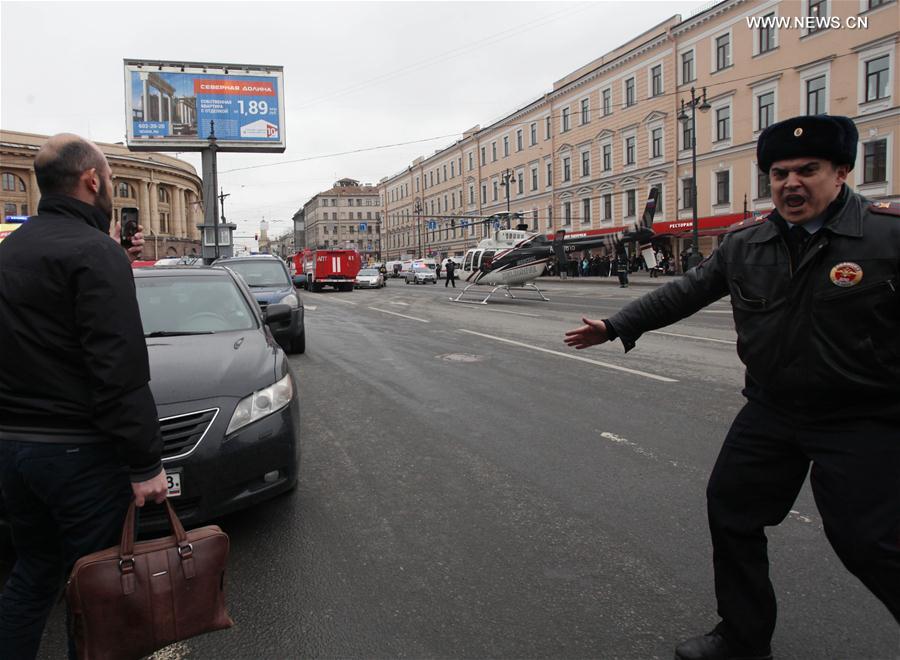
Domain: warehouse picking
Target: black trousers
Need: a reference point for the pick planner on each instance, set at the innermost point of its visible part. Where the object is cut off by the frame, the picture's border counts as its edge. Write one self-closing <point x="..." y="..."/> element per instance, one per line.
<point x="451" y="279"/>
<point x="62" y="502"/>
<point x="855" y="479"/>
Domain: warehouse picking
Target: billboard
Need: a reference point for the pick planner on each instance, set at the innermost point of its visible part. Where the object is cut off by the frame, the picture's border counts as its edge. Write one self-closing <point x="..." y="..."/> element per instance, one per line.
<point x="175" y="106"/>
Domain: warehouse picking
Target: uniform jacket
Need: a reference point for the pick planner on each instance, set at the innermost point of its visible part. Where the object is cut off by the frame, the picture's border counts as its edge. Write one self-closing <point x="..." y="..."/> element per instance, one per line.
<point x="73" y="359"/>
<point x="821" y="337"/>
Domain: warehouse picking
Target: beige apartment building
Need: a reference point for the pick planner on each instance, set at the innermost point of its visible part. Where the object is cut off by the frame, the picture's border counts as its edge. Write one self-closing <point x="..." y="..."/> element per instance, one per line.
<point x="348" y="215"/>
<point x="585" y="155"/>
<point x="166" y="190"/>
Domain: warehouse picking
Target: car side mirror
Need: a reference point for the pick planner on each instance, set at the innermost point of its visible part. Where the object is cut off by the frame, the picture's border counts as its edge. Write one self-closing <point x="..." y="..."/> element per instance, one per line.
<point x="275" y="313"/>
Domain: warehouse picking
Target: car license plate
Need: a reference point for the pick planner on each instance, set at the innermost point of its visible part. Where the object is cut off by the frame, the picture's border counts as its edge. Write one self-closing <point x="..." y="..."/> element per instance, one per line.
<point x="173" y="479"/>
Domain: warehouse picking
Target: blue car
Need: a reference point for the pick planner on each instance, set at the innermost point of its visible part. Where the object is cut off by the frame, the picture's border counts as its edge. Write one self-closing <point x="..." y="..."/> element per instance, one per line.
<point x="271" y="284"/>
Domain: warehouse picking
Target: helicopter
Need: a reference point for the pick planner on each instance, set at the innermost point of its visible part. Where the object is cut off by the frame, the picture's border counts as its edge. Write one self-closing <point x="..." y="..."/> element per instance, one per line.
<point x="515" y="258"/>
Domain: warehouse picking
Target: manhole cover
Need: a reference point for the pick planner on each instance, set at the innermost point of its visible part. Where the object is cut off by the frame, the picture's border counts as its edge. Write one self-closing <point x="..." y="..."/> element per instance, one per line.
<point x="461" y="357"/>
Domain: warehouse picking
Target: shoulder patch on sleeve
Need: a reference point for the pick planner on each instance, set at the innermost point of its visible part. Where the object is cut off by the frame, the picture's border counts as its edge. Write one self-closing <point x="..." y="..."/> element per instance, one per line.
<point x="885" y="208"/>
<point x="748" y="222"/>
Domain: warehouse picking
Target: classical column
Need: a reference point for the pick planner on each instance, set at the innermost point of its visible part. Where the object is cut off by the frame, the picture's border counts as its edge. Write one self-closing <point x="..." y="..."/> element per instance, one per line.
<point x="154" y="207"/>
<point x="34" y="193"/>
<point x="182" y="213"/>
<point x="143" y="202"/>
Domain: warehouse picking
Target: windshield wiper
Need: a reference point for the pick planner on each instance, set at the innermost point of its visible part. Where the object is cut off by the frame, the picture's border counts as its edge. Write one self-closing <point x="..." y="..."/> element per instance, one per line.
<point x="178" y="333"/>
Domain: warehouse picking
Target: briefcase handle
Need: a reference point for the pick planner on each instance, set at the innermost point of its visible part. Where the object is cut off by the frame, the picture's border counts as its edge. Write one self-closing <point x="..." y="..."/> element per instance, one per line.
<point x="126" y="546"/>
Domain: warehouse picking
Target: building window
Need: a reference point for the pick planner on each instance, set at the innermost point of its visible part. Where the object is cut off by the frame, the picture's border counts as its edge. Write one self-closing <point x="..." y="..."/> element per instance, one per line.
<point x="471" y="194"/>
<point x="607" y="206"/>
<point x="763" y="185"/>
<point x="533" y="129"/>
<point x="766" y="35"/>
<point x="417" y="178"/>
<point x="607" y="102"/>
<point x="520" y="182"/>
<point x="687" y="193"/>
<point x="765" y="110"/>
<point x="875" y="161"/>
<point x="723" y="124"/>
<point x="607" y="157"/>
<point x="630" y="203"/>
<point x="505" y="146"/>
<point x="534" y="178"/>
<point x="586" y="211"/>
<point x="656" y="141"/>
<point x="549" y="174"/>
<point x="585" y="111"/>
<point x="452" y="169"/>
<point x="565" y="120"/>
<point x="12" y="183"/>
<point x="547" y="128"/>
<point x="585" y="163"/>
<point x="549" y="217"/>
<point x="659" y="196"/>
<point x="495" y="190"/>
<point x="444" y="168"/>
<point x="877" y="76"/>
<point x="123" y="190"/>
<point x="723" y="52"/>
<point x="818" y="12"/>
<point x="163" y="195"/>
<point x="656" y="86"/>
<point x="687" y="67"/>
<point x="483" y="156"/>
<point x="519" y="140"/>
<point x="629" y="92"/>
<point x="723" y="187"/>
<point x="567" y="173"/>
<point x="493" y="151"/>
<point x="9" y="209"/>
<point x="815" y="96"/>
<point x="629" y="150"/>
<point x="470" y="165"/>
<point x="567" y="213"/>
<point x="877" y="3"/>
<point x="483" y="193"/>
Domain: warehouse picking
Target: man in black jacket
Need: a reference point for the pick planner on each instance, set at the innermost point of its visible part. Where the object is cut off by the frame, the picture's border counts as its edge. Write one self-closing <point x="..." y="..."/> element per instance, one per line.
<point x="79" y="433"/>
<point x="815" y="289"/>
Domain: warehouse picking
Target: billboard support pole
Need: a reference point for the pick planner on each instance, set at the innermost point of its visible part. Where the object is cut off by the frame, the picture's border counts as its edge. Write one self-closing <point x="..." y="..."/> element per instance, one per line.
<point x="210" y="186"/>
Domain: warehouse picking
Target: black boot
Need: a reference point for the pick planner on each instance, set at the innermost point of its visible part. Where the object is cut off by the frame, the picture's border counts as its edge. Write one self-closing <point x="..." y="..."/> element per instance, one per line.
<point x="714" y="646"/>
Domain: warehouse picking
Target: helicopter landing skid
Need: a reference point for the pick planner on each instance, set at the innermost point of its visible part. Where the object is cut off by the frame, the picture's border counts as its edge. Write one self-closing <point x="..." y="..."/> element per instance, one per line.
<point x="507" y="291"/>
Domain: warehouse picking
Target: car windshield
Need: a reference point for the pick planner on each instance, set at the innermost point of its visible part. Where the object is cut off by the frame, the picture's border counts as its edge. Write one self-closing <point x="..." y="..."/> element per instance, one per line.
<point x="421" y="269"/>
<point x="368" y="271"/>
<point x="260" y="273"/>
<point x="191" y="305"/>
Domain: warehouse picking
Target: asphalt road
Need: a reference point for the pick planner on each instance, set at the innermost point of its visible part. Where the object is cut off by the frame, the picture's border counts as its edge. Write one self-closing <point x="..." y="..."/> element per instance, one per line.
<point x="471" y="487"/>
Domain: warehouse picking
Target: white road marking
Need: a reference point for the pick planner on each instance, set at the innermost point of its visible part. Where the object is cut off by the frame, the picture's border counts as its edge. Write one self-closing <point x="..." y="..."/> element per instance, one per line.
<point x="635" y="447"/>
<point x="341" y="300"/>
<point x="397" y="302"/>
<point x="411" y="318"/>
<point x="502" y="311"/>
<point x="664" y="379"/>
<point x="675" y="334"/>
<point x="311" y="308"/>
<point x="716" y="311"/>
<point x="799" y="516"/>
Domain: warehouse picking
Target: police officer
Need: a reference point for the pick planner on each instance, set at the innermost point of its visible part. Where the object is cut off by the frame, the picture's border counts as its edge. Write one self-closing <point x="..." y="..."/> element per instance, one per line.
<point x="815" y="289"/>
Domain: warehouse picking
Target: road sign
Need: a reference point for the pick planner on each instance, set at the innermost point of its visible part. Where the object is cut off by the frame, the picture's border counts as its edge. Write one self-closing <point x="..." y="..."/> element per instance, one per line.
<point x="463" y="223"/>
<point x="363" y="226"/>
<point x="432" y="224"/>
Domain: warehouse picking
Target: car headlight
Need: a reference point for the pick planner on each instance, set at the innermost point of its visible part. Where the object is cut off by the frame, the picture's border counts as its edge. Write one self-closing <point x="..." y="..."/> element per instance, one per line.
<point x="261" y="403"/>
<point x="289" y="299"/>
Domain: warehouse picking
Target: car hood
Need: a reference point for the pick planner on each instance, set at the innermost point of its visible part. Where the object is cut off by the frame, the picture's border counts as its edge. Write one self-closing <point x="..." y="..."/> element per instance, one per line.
<point x="195" y="367"/>
<point x="271" y="295"/>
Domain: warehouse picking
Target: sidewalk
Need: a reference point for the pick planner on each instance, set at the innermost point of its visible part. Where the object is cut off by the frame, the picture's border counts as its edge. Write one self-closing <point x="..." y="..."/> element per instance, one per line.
<point x="640" y="278"/>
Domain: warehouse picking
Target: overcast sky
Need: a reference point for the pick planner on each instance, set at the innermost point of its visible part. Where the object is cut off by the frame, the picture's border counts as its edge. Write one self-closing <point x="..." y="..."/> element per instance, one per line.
<point x="357" y="74"/>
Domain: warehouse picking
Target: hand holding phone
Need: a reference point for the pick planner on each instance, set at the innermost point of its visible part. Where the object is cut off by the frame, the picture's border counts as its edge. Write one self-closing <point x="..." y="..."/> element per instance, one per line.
<point x="129" y="216"/>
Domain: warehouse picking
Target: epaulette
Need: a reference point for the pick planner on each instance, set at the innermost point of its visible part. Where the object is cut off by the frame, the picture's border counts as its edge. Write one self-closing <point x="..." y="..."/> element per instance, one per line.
<point x="747" y="222"/>
<point x="885" y="208"/>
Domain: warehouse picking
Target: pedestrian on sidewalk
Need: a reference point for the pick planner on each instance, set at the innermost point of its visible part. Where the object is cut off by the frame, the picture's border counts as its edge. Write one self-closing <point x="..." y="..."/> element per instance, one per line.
<point x="79" y="430"/>
<point x="822" y="376"/>
<point x="451" y="274"/>
<point x="437" y="270"/>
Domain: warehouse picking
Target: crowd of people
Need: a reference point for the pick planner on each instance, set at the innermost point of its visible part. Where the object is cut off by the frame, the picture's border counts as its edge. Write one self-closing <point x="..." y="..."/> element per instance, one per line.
<point x="604" y="265"/>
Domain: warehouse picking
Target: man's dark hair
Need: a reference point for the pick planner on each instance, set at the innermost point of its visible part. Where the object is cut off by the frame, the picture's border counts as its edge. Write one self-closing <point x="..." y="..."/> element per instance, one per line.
<point x="58" y="169"/>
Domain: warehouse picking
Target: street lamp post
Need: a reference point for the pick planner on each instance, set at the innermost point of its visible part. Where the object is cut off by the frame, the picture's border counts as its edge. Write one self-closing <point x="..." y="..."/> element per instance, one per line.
<point x="695" y="102"/>
<point x="418" y="214"/>
<point x="507" y="177"/>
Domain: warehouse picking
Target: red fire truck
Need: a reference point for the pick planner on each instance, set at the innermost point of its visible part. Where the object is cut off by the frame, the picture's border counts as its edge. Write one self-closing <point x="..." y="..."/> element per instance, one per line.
<point x="337" y="268"/>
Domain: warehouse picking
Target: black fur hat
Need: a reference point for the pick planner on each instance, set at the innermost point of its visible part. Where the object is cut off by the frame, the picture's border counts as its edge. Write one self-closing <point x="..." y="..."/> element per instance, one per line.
<point x="831" y="137"/>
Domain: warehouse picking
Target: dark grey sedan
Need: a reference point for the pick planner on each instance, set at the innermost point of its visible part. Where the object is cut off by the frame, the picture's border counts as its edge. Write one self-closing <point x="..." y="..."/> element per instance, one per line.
<point x="227" y="402"/>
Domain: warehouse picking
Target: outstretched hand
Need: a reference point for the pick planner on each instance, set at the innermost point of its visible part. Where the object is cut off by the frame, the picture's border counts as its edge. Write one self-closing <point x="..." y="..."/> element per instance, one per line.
<point x="590" y="334"/>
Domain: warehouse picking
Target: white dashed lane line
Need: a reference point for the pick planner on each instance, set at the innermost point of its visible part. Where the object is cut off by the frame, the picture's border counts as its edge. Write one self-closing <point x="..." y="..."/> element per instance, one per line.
<point x="387" y="311"/>
<point x="675" y="334"/>
<point x="570" y="356"/>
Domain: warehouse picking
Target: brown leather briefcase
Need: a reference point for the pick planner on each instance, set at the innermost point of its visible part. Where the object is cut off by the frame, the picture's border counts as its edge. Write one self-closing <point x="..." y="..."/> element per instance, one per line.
<point x="129" y="601"/>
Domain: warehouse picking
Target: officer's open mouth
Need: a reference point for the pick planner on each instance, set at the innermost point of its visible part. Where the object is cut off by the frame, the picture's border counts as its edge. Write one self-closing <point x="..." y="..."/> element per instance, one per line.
<point x="795" y="200"/>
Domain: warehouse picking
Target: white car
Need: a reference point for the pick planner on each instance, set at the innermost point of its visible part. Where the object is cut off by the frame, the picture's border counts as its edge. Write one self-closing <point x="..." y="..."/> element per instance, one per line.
<point x="369" y="278"/>
<point x="418" y="274"/>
